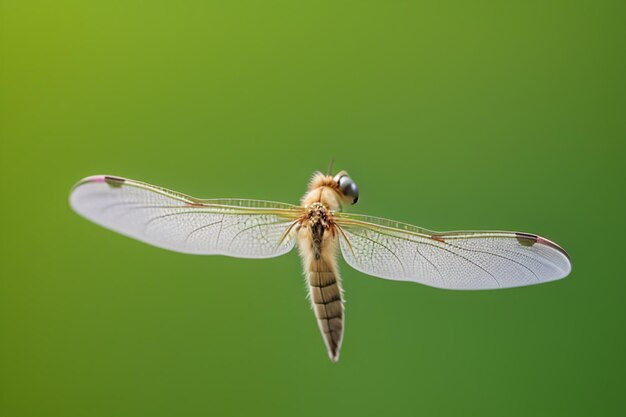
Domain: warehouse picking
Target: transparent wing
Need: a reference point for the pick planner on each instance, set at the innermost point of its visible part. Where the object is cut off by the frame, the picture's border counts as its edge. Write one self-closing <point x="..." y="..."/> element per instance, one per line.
<point x="453" y="260"/>
<point x="174" y="221"/>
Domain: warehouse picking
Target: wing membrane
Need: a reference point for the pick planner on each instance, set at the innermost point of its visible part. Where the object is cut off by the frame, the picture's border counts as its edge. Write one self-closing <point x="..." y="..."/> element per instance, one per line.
<point x="175" y="221"/>
<point x="453" y="260"/>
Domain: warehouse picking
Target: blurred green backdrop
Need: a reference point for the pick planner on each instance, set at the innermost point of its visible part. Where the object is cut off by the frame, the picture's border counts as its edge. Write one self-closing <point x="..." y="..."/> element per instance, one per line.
<point x="449" y="115"/>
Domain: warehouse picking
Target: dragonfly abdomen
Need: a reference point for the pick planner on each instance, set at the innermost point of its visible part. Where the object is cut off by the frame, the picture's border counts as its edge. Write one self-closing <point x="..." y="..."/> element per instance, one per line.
<point x="327" y="300"/>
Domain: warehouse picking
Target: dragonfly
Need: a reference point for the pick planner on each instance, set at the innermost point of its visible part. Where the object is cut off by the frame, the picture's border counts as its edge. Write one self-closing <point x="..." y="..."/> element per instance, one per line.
<point x="318" y="226"/>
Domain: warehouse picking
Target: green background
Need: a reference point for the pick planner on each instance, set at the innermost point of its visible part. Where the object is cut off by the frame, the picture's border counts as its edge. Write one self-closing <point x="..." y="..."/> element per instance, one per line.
<point x="448" y="115"/>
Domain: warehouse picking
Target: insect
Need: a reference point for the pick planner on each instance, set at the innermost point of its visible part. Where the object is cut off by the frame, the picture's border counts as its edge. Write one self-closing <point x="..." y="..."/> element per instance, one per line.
<point x="376" y="246"/>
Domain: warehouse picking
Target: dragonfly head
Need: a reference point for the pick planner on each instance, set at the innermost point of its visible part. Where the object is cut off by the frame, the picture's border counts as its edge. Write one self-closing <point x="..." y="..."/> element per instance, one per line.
<point x="347" y="188"/>
<point x="333" y="192"/>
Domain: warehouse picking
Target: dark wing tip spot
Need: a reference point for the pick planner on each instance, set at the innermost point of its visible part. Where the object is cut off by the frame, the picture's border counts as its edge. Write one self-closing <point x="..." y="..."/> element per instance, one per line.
<point x="114" y="182"/>
<point x="526" y="239"/>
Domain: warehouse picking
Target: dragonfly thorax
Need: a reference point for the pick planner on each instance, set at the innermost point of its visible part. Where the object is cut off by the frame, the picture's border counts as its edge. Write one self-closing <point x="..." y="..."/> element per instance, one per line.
<point x="319" y="221"/>
<point x="317" y="213"/>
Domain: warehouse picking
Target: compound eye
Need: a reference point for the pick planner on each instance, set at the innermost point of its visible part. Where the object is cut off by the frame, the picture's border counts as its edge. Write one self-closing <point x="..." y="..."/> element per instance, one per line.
<point x="349" y="188"/>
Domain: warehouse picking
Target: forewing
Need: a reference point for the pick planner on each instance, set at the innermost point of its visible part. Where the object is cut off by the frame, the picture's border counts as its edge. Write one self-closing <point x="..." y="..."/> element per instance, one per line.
<point x="174" y="221"/>
<point x="452" y="260"/>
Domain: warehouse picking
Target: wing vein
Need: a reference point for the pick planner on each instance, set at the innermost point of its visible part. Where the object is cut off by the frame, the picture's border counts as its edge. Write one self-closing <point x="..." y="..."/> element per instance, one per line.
<point x="197" y="229"/>
<point x="496" y="255"/>
<point x="417" y="250"/>
<point x="380" y="244"/>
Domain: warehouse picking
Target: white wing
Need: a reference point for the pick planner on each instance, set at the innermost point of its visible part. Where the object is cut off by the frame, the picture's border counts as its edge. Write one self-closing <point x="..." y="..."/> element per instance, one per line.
<point x="452" y="260"/>
<point x="174" y="221"/>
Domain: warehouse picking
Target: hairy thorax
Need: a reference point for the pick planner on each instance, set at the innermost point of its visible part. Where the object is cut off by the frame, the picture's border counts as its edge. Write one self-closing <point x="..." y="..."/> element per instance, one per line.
<point x="319" y="222"/>
<point x="316" y="230"/>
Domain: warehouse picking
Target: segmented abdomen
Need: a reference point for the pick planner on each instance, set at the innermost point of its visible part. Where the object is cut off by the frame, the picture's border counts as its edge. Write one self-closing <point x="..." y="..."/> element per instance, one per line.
<point x="327" y="299"/>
